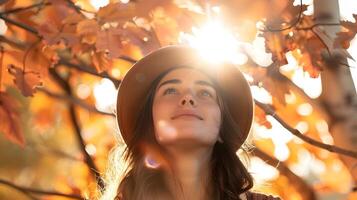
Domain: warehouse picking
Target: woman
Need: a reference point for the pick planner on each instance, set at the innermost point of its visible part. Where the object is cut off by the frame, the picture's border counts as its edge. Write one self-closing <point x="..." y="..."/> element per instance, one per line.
<point x="183" y="119"/>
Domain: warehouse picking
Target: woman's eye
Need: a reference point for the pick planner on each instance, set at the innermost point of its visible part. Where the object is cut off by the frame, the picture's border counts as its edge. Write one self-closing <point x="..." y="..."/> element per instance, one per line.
<point x="170" y="91"/>
<point x="205" y="93"/>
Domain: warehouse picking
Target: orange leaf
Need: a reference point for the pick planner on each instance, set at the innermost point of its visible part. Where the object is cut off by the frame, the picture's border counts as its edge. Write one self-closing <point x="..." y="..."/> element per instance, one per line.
<point x="25" y="81"/>
<point x="116" y="12"/>
<point x="260" y="118"/>
<point x="88" y="30"/>
<point x="101" y="61"/>
<point x="344" y="38"/>
<point x="109" y="40"/>
<point x="10" y="119"/>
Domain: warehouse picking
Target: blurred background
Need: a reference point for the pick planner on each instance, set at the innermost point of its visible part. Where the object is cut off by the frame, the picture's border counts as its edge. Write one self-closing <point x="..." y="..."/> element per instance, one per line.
<point x="62" y="62"/>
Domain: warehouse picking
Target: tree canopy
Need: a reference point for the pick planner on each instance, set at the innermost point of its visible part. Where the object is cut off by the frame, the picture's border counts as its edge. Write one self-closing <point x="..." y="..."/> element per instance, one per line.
<point x="61" y="62"/>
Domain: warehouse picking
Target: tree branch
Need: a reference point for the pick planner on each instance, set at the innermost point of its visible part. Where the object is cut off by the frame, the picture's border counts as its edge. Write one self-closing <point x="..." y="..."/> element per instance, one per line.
<point x="89" y="70"/>
<point x="15" y="44"/>
<point x="268" y="29"/>
<point x="304" y="189"/>
<point x="15" y="10"/>
<point x="73" y="100"/>
<point x="88" y="159"/>
<point x="18" y="24"/>
<point x="27" y="191"/>
<point x="268" y="110"/>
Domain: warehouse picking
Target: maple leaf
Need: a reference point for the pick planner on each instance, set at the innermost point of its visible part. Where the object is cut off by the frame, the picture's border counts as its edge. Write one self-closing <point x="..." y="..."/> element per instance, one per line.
<point x="88" y="30"/>
<point x="278" y="44"/>
<point x="344" y="37"/>
<point x="261" y="118"/>
<point x="10" y="124"/>
<point x="308" y="64"/>
<point x="116" y="12"/>
<point x="109" y="41"/>
<point x="328" y="41"/>
<point x="119" y="12"/>
<point x="25" y="81"/>
<point x="54" y="35"/>
<point x="101" y="61"/>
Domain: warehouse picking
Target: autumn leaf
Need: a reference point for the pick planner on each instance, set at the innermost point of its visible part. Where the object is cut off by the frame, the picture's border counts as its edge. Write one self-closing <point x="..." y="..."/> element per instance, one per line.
<point x="27" y="81"/>
<point x="344" y="37"/>
<point x="10" y="124"/>
<point x="88" y="29"/>
<point x="101" y="61"/>
<point x="260" y="117"/>
<point x="328" y="41"/>
<point x="109" y="41"/>
<point x="115" y="12"/>
<point x="278" y="44"/>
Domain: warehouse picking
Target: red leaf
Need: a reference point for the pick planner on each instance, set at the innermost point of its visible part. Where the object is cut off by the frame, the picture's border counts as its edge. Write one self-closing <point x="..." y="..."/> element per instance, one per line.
<point x="25" y="81"/>
<point x="10" y="119"/>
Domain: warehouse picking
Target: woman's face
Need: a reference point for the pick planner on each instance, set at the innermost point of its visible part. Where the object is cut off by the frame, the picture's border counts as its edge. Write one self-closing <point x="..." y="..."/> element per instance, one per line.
<point x="185" y="109"/>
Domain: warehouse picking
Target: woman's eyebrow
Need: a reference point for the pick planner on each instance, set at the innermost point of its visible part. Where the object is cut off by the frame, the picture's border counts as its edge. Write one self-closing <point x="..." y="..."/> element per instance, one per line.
<point x="169" y="81"/>
<point x="176" y="81"/>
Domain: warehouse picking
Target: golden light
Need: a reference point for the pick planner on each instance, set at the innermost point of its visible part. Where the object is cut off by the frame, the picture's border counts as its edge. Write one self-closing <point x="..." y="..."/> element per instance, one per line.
<point x="304" y="109"/>
<point x="3" y="27"/>
<point x="261" y="94"/>
<point x="90" y="149"/>
<point x="215" y="43"/>
<point x="261" y="171"/>
<point x="290" y="98"/>
<point x="322" y="130"/>
<point x="105" y="95"/>
<point x="99" y="3"/>
<point x="307" y="164"/>
<point x="302" y="126"/>
<point x="83" y="91"/>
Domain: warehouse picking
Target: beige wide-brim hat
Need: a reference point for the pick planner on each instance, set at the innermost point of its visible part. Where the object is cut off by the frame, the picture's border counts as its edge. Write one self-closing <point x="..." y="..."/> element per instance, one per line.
<point x="136" y="84"/>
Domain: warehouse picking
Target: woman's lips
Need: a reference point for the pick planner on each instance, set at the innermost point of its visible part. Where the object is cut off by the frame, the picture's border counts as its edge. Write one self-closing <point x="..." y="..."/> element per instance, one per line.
<point x="187" y="115"/>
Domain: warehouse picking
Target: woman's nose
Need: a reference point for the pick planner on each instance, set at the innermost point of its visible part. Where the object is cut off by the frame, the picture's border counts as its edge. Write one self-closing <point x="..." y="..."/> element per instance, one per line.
<point x="189" y="100"/>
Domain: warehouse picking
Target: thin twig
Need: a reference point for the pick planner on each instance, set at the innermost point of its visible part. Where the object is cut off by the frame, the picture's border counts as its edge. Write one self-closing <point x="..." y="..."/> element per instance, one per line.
<point x="88" y="159"/>
<point x="12" y="43"/>
<point x="90" y="70"/>
<point x="15" y="10"/>
<point x="268" y="110"/>
<point x="18" y="24"/>
<point x="27" y="191"/>
<point x="268" y="29"/>
<point x="73" y="100"/>
<point x="304" y="189"/>
<point x="77" y="8"/>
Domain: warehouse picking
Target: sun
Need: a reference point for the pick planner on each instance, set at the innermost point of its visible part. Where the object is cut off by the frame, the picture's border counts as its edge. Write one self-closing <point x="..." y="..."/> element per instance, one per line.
<point x="215" y="43"/>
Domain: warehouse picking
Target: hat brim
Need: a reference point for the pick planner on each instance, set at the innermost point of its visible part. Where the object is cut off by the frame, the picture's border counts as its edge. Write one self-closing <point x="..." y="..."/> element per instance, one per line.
<point x="138" y="80"/>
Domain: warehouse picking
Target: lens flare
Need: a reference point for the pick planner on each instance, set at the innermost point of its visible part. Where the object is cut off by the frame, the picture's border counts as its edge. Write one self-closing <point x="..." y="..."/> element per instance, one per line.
<point x="215" y="43"/>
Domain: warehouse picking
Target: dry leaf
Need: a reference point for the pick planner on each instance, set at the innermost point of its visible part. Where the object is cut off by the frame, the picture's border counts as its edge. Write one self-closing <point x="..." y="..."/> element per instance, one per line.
<point x="26" y="82"/>
<point x="109" y="41"/>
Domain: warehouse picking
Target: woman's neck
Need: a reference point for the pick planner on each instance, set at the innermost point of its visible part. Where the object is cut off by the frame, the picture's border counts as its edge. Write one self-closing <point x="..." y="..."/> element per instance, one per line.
<point x="191" y="172"/>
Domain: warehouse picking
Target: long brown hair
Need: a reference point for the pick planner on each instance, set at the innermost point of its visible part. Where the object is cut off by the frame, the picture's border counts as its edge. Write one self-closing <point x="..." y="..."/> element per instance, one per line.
<point x="230" y="178"/>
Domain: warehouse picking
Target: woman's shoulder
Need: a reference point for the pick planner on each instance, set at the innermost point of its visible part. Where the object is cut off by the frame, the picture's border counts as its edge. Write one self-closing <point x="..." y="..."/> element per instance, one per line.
<point x="259" y="196"/>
